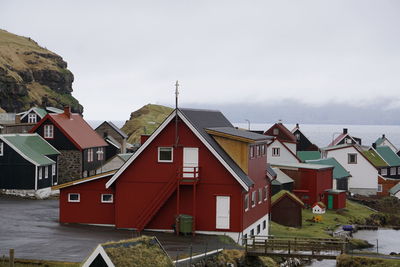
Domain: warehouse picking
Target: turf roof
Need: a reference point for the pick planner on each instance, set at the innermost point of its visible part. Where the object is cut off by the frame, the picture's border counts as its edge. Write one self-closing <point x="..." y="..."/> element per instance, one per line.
<point x="281" y="193"/>
<point x="375" y="158"/>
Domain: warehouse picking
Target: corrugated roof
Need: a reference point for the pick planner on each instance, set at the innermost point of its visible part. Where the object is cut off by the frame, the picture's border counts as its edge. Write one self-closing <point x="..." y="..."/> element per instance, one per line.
<point x="241" y="133"/>
<point x="125" y="156"/>
<point x="281" y="177"/>
<point x="54" y="110"/>
<point x="303" y="166"/>
<point x="271" y="171"/>
<point x="281" y="193"/>
<point x="32" y="146"/>
<point x="204" y="119"/>
<point x="338" y="171"/>
<point x="388" y="155"/>
<point x="308" y="155"/>
<point x="375" y="158"/>
<point x="395" y="189"/>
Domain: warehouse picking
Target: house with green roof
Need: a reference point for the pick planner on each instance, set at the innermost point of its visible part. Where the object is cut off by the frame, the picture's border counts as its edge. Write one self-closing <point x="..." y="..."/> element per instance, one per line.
<point x="27" y="163"/>
<point x="35" y="114"/>
<point x="384" y="141"/>
<point x="392" y="159"/>
<point x="308" y="155"/>
<point x="340" y="175"/>
<point x="395" y="191"/>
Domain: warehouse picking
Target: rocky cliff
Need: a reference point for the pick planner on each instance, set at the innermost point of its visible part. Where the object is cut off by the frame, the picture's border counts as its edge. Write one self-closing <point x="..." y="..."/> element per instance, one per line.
<point x="31" y="75"/>
<point x="144" y="121"/>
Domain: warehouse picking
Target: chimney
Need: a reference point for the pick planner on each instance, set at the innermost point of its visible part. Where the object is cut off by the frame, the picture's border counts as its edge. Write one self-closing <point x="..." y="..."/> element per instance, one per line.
<point x="297" y="125"/>
<point x="374" y="145"/>
<point x="17" y="119"/>
<point x="143" y="138"/>
<point x="67" y="111"/>
<point x="344" y="130"/>
<point x="383" y="135"/>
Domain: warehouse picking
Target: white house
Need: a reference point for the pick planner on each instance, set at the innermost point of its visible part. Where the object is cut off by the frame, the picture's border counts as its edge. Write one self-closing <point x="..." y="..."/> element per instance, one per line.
<point x="281" y="152"/>
<point x="364" y="180"/>
<point x="318" y="208"/>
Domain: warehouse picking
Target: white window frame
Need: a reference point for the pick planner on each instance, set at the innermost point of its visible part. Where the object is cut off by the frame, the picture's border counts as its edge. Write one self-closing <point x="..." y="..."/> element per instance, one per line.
<point x="53" y="169"/>
<point x="246" y="202"/>
<point x="251" y="151"/>
<point x="100" y="153"/>
<point x="40" y="174"/>
<point x="258" y="151"/>
<point x="1" y="149"/>
<point x="393" y="170"/>
<point x="260" y="198"/>
<point x="46" y="172"/>
<point x="164" y="160"/>
<point x="32" y="118"/>
<point x="90" y="155"/>
<point x="266" y="193"/>
<point x="349" y="156"/>
<point x="274" y="150"/>
<point x="74" y="200"/>
<point x="105" y="201"/>
<point x="48" y="130"/>
<point x="262" y="150"/>
<point x="384" y="172"/>
<point x="380" y="188"/>
<point x="253" y="198"/>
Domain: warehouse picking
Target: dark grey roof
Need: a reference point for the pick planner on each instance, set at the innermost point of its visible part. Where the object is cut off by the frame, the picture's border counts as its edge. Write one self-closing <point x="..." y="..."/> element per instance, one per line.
<point x="271" y="171"/>
<point x="241" y="133"/>
<point x="118" y="130"/>
<point x="204" y="119"/>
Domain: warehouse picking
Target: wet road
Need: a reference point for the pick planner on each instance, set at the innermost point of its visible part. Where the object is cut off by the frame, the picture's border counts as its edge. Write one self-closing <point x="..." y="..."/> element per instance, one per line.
<point x="31" y="227"/>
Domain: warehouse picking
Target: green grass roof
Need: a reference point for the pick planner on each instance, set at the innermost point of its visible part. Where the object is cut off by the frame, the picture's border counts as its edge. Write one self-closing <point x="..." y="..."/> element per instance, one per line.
<point x="338" y="171"/>
<point x="33" y="147"/>
<point x="375" y="158"/>
<point x="388" y="155"/>
<point x="308" y="155"/>
<point x="278" y="195"/>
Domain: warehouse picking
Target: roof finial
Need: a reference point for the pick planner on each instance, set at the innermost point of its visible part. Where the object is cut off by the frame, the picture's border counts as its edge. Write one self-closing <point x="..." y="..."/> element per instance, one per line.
<point x="176" y="93"/>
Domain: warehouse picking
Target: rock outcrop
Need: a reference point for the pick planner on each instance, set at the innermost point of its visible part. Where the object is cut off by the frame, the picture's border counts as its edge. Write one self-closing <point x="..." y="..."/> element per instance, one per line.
<point x="31" y="75"/>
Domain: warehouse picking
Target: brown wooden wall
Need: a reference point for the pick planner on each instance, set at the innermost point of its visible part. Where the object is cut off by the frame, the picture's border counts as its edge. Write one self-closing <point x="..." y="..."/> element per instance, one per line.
<point x="287" y="212"/>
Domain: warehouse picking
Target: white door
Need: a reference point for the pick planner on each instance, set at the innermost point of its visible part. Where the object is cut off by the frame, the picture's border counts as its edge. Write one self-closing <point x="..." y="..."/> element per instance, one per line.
<point x="190" y="162"/>
<point x="223" y="212"/>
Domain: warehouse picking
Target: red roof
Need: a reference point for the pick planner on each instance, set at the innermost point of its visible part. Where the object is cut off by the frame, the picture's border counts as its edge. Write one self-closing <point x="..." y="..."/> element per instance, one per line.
<point x="283" y="135"/>
<point x="75" y="128"/>
<point x="337" y="140"/>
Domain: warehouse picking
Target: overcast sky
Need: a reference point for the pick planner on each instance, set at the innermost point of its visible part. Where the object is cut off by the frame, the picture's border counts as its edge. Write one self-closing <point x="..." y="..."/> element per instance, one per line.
<point x="125" y="54"/>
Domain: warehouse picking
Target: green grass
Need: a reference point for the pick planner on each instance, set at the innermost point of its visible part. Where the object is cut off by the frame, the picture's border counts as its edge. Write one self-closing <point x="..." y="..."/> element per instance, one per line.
<point x="330" y="221"/>
<point x="355" y="261"/>
<point x="37" y="263"/>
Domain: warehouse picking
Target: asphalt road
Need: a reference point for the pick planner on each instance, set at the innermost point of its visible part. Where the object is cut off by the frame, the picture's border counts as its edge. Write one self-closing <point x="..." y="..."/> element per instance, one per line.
<point x="31" y="227"/>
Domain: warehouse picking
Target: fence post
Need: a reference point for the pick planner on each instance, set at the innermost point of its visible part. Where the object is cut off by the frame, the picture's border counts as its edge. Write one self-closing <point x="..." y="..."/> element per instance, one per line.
<point x="11" y="259"/>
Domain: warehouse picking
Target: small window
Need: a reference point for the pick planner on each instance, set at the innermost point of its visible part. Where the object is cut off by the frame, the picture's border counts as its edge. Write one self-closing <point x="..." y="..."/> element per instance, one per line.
<point x="251" y="152"/>
<point x="74" y="197"/>
<point x="258" y="229"/>
<point x="260" y="195"/>
<point x="100" y="153"/>
<point x="380" y="188"/>
<point x="46" y="172"/>
<point x="264" y="224"/>
<point x="253" y="198"/>
<point x="384" y="172"/>
<point x="53" y="169"/>
<point x="258" y="151"/>
<point x="263" y="150"/>
<point x="252" y="232"/>
<point x="90" y="155"/>
<point x="393" y="171"/>
<point x="276" y="151"/>
<point x="352" y="158"/>
<point x="266" y="193"/>
<point x="165" y="154"/>
<point x="246" y="202"/>
<point x="107" y="198"/>
<point x="347" y="140"/>
<point x="40" y="173"/>
<point x="298" y="136"/>
<point x="1" y="148"/>
<point x="48" y="131"/>
<point x="32" y="118"/>
<point x="275" y="131"/>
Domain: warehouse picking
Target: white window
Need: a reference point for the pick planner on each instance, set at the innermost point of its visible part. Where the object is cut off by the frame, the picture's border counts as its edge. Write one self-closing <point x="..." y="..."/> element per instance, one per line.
<point x="253" y="198"/>
<point x="352" y="158"/>
<point x="90" y="155"/>
<point x="298" y="136"/>
<point x="107" y="198"/>
<point x="246" y="202"/>
<point x="275" y="131"/>
<point x="380" y="188"/>
<point x="32" y="118"/>
<point x="46" y="172"/>
<point x="276" y="151"/>
<point x="263" y="150"/>
<point x="74" y="197"/>
<point x="40" y="173"/>
<point x="384" y="172"/>
<point x="393" y="171"/>
<point x="53" y="169"/>
<point x="258" y="151"/>
<point x="266" y="193"/>
<point x="1" y="148"/>
<point x="100" y="153"/>
<point x="260" y="195"/>
<point x="165" y="154"/>
<point x="347" y="140"/>
<point x="49" y="131"/>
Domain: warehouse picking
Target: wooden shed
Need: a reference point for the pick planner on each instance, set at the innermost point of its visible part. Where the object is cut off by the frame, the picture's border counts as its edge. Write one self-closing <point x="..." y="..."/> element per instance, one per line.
<point x="286" y="209"/>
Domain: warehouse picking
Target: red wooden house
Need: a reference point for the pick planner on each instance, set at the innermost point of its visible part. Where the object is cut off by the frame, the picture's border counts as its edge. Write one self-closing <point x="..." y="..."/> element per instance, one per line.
<point x="195" y="163"/>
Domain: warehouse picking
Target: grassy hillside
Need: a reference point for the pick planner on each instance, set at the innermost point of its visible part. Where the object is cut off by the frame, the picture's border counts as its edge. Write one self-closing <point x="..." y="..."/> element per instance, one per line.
<point x="31" y="75"/>
<point x="144" y="121"/>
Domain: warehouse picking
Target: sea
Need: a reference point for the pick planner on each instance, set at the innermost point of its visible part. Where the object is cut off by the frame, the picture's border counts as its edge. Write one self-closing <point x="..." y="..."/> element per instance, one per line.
<point x="321" y="134"/>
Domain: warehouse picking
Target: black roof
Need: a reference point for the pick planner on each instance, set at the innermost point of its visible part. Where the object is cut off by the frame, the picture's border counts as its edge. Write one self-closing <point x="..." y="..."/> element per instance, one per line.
<point x="241" y="133"/>
<point x="204" y="119"/>
<point x="118" y="130"/>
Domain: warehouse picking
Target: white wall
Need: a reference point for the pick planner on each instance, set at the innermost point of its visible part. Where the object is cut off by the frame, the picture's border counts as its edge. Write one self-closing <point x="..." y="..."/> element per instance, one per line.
<point x="364" y="175"/>
<point x="292" y="147"/>
<point x="392" y="147"/>
<point x="284" y="157"/>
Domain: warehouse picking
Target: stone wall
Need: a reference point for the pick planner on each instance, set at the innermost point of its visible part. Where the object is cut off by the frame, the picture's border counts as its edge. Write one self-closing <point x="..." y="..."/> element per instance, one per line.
<point x="69" y="166"/>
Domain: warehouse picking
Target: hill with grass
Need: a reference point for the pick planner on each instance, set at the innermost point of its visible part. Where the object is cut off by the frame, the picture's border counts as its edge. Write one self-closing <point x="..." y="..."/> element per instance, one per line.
<point x="144" y="121"/>
<point x="31" y="75"/>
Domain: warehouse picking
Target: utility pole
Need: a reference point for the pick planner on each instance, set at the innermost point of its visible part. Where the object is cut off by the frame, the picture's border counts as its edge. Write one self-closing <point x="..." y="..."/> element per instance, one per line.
<point x="176" y="113"/>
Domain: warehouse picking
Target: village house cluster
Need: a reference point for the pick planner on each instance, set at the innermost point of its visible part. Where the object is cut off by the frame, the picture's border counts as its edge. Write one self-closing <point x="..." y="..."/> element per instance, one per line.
<point x="196" y="173"/>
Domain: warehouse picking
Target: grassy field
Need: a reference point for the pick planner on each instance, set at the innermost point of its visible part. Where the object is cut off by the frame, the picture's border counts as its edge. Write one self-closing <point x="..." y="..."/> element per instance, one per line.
<point x="354" y="261"/>
<point x="38" y="263"/>
<point x="330" y="221"/>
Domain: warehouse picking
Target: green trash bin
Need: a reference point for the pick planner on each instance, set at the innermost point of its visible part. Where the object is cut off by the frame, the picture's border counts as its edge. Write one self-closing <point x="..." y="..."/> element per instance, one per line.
<point x="185" y="223"/>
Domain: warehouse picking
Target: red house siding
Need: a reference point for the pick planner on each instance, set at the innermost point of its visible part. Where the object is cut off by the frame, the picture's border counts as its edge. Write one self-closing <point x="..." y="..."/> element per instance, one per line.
<point x="387" y="184"/>
<point x="89" y="209"/>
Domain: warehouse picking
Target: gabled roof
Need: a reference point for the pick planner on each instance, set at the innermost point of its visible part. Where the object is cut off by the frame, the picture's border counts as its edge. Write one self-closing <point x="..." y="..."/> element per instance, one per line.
<point x="278" y="196"/>
<point x="75" y="128"/>
<point x="395" y="189"/>
<point x="340" y="138"/>
<point x="284" y="133"/>
<point x="113" y="126"/>
<point x="286" y="147"/>
<point x="198" y="121"/>
<point x="388" y="155"/>
<point x="39" y="111"/>
<point x="31" y="147"/>
<point x="281" y="177"/>
<point x="308" y="155"/>
<point x="240" y="134"/>
<point x="321" y="204"/>
<point x="338" y="171"/>
<point x="375" y="158"/>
